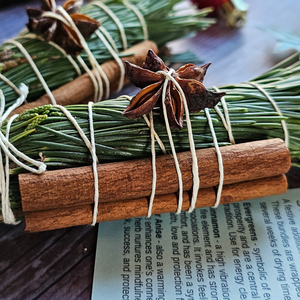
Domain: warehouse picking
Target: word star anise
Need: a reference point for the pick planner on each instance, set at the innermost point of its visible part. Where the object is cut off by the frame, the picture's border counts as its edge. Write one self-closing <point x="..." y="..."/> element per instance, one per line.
<point x="189" y="77"/>
<point x="52" y="29"/>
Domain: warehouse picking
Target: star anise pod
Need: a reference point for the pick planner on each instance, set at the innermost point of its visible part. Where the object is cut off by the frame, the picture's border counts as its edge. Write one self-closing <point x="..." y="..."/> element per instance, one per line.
<point x="189" y="77"/>
<point x="52" y="29"/>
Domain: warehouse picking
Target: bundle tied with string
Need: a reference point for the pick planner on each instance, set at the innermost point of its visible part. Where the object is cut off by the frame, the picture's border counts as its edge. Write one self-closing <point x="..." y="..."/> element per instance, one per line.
<point x="250" y="170"/>
<point x="189" y="78"/>
<point x="60" y="14"/>
<point x="6" y="146"/>
<point x="7" y="213"/>
<point x="75" y="41"/>
<point x="65" y="42"/>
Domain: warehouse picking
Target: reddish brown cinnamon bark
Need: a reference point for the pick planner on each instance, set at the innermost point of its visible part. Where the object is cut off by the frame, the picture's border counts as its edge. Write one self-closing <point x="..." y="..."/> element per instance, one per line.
<point x="82" y="215"/>
<point x="133" y="179"/>
<point x="81" y="90"/>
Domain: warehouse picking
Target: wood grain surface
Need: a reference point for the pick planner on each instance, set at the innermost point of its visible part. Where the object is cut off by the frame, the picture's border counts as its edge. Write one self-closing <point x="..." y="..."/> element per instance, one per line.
<point x="55" y="265"/>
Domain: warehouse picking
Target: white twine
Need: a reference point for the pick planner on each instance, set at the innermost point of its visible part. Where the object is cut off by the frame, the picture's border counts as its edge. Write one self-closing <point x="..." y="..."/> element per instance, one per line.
<point x="2" y="102"/>
<point x="34" y="67"/>
<point x="109" y="38"/>
<point x="97" y="82"/>
<point x="105" y="38"/>
<point x="69" y="57"/>
<point x="92" y="148"/>
<point x="116" y="20"/>
<point x="196" y="181"/>
<point x="154" y="136"/>
<point x="226" y="121"/>
<point x="92" y="77"/>
<point x="11" y="84"/>
<point x="115" y="56"/>
<point x="195" y="171"/>
<point x="6" y="146"/>
<point x="159" y="141"/>
<point x="54" y="15"/>
<point x="76" y="125"/>
<point x="95" y="161"/>
<point x="53" y="4"/>
<point x="64" y="53"/>
<point x="274" y="104"/>
<point x="7" y="213"/>
<point x="154" y="175"/>
<point x="219" y="156"/>
<point x="179" y="175"/>
<point x="92" y="59"/>
<point x="108" y="41"/>
<point x="140" y="17"/>
<point x="23" y="92"/>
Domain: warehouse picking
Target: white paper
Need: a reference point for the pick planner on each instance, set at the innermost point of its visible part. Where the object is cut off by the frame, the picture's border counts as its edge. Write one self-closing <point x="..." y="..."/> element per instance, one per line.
<point x="245" y="250"/>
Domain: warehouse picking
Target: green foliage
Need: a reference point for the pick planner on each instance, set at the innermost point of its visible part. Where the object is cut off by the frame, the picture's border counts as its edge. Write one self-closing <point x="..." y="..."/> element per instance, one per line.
<point x="118" y="138"/>
<point x="164" y="24"/>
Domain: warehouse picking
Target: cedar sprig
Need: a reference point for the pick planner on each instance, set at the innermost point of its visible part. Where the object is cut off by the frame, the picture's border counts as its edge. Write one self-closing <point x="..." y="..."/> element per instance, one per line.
<point x="164" y="24"/>
<point x="118" y="138"/>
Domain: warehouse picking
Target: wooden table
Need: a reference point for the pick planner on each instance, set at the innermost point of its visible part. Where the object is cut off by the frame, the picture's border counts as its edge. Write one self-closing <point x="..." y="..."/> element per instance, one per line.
<point x="59" y="264"/>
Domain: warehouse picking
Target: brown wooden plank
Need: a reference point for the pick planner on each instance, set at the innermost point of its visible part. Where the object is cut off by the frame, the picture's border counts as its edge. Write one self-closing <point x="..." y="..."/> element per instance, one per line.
<point x="241" y="54"/>
<point x="66" y="286"/>
<point x="293" y="177"/>
<point x="47" y="263"/>
<point x="7" y="231"/>
<point x="15" y="246"/>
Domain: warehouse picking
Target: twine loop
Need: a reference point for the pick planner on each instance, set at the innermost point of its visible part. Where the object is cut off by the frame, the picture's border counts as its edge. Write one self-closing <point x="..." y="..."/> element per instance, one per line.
<point x="196" y="180"/>
<point x="8" y="148"/>
<point x="195" y="172"/>
<point x="117" y="21"/>
<point x="274" y="104"/>
<point x="90" y="144"/>
<point x="99" y="76"/>
<point x="96" y="78"/>
<point x="226" y="121"/>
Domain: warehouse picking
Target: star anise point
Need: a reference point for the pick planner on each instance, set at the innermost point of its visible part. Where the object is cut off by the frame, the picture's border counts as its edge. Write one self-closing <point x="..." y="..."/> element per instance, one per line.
<point x="52" y="29"/>
<point x="189" y="77"/>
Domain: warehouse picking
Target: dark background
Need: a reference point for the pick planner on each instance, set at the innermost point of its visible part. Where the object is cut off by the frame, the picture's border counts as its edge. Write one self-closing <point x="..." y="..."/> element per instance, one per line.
<point x="59" y="264"/>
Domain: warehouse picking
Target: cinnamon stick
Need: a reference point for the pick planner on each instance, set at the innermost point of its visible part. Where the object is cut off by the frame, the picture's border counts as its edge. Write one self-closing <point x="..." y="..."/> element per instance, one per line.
<point x="133" y="179"/>
<point x="81" y="90"/>
<point x="82" y="215"/>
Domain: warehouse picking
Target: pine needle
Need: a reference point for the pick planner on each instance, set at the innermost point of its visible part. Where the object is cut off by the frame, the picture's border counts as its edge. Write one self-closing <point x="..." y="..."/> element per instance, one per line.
<point x="164" y="24"/>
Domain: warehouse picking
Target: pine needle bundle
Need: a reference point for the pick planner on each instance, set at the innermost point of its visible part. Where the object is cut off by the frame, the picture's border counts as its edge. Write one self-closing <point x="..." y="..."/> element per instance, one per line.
<point x="46" y="134"/>
<point x="164" y="23"/>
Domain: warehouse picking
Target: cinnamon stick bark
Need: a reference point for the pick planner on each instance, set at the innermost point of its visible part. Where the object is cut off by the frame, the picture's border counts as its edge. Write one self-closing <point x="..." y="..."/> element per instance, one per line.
<point x="81" y="90"/>
<point x="82" y="215"/>
<point x="133" y="179"/>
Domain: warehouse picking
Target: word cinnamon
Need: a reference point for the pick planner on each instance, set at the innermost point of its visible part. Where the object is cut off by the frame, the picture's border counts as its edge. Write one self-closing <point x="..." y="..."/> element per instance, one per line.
<point x="82" y="215"/>
<point x="81" y="90"/>
<point x="133" y="179"/>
